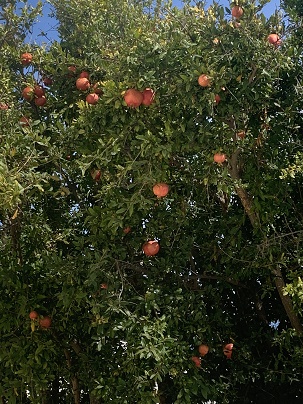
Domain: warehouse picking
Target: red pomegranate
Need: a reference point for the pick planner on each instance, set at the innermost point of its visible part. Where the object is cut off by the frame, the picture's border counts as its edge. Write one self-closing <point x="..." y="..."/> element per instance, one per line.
<point x="84" y="75"/>
<point x="24" y="121"/>
<point x="217" y="99"/>
<point x="39" y="91"/>
<point x="161" y="189"/>
<point x="203" y="349"/>
<point x="72" y="69"/>
<point x="204" y="80"/>
<point x="33" y="315"/>
<point x="237" y="12"/>
<point x="196" y="360"/>
<point x="47" y="81"/>
<point x="151" y="248"/>
<point x="219" y="158"/>
<point x="92" y="98"/>
<point x="45" y="322"/>
<point x="274" y="39"/>
<point x="227" y="350"/>
<point x="40" y="101"/>
<point x="96" y="174"/>
<point x="28" y="93"/>
<point x="82" y="84"/>
<point x="133" y="98"/>
<point x="148" y="96"/>
<point x="26" y="58"/>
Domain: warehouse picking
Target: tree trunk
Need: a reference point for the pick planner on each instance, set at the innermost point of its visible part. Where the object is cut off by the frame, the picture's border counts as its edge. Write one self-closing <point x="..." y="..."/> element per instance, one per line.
<point x="286" y="301"/>
<point x="76" y="389"/>
<point x="94" y="400"/>
<point x="74" y="378"/>
<point x="246" y="201"/>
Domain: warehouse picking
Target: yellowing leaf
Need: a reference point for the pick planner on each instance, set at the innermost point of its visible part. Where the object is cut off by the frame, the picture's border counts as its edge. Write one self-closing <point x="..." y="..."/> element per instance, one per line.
<point x="15" y="214"/>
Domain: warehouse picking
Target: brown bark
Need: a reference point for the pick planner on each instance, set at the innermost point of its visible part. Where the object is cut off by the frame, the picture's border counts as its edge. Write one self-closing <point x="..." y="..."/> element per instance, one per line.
<point x="242" y="193"/>
<point x="286" y="301"/>
<point x="74" y="378"/>
<point x="76" y="389"/>
<point x="94" y="400"/>
<point x="246" y="201"/>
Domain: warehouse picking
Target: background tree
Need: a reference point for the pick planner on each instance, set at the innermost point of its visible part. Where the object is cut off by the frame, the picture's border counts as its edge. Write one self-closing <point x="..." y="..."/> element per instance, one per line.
<point x="110" y="323"/>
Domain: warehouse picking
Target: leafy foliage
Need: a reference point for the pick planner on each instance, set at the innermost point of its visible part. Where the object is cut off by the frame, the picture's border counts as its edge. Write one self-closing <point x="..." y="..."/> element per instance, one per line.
<point x="124" y="325"/>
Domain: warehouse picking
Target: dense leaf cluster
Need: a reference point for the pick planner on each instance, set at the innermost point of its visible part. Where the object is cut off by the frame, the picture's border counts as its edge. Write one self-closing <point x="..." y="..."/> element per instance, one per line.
<point x="125" y="326"/>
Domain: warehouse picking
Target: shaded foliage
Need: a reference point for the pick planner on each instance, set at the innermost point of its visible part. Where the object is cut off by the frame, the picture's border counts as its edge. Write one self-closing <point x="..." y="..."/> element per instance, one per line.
<point x="124" y="325"/>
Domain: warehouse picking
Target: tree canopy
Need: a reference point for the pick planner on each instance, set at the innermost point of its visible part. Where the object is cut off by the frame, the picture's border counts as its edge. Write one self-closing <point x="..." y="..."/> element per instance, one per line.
<point x="144" y="122"/>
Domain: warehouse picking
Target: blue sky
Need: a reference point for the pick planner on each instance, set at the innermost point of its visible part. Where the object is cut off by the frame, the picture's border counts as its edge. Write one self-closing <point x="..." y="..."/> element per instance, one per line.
<point x="268" y="9"/>
<point x="48" y="25"/>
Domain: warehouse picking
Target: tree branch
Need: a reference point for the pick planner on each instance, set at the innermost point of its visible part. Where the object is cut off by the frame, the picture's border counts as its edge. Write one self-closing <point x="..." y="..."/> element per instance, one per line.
<point x="286" y="300"/>
<point x="245" y="198"/>
<point x="247" y="204"/>
<point x="74" y="378"/>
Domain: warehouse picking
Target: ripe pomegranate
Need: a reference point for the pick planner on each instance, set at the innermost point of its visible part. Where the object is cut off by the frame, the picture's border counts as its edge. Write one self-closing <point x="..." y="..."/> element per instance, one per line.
<point x="229" y="347"/>
<point x="204" y="80"/>
<point x="217" y="99"/>
<point x="82" y="84"/>
<point x="96" y="174"/>
<point x="47" y="81"/>
<point x="103" y="286"/>
<point x="45" y="322"/>
<point x="237" y="12"/>
<point x="227" y="350"/>
<point x="72" y="69"/>
<point x="84" y="75"/>
<point x="203" y="349"/>
<point x="3" y="106"/>
<point x="40" y="101"/>
<point x="148" y="96"/>
<point x="197" y="361"/>
<point x="39" y="91"/>
<point x="133" y="98"/>
<point x="28" y="93"/>
<point x="24" y="121"/>
<point x="151" y="248"/>
<point x="127" y="230"/>
<point x="92" y="98"/>
<point x="274" y="39"/>
<point x="26" y="58"/>
<point x="241" y="134"/>
<point x="161" y="189"/>
<point x="219" y="158"/>
<point x="33" y="315"/>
